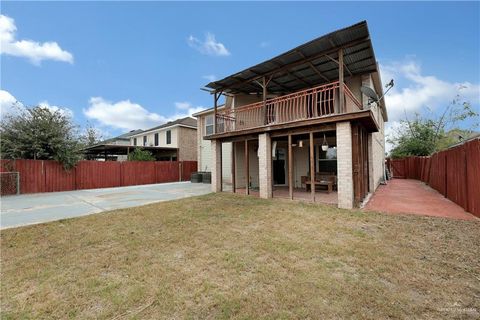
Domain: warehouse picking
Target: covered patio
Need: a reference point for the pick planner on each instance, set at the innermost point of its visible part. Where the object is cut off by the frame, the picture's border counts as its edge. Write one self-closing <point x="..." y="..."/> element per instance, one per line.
<point x="295" y="159"/>
<point x="117" y="152"/>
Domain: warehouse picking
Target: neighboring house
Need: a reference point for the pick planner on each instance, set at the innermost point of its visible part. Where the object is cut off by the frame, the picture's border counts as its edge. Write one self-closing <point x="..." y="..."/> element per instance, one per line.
<point x="115" y="148"/>
<point x="297" y="118"/>
<point x="204" y="148"/>
<point x="174" y="140"/>
<point x="123" y="139"/>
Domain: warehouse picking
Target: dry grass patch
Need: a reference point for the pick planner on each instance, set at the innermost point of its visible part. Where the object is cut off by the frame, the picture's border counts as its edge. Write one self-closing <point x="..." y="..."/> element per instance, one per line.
<point x="230" y="256"/>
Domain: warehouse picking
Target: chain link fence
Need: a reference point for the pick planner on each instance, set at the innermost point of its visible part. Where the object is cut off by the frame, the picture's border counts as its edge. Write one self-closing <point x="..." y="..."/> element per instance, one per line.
<point x="9" y="183"/>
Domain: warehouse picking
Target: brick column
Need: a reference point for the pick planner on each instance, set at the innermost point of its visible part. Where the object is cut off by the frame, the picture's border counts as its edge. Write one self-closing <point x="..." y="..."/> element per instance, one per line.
<point x="216" y="165"/>
<point x="371" y="174"/>
<point x="344" y="165"/>
<point x="265" y="165"/>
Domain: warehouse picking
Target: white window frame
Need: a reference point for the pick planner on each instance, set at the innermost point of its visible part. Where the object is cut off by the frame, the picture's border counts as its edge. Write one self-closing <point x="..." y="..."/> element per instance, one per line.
<point x="168" y="134"/>
<point x="207" y="124"/>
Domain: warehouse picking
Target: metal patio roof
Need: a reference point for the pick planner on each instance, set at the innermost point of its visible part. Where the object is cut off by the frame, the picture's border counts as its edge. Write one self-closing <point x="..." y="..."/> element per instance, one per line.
<point x="307" y="65"/>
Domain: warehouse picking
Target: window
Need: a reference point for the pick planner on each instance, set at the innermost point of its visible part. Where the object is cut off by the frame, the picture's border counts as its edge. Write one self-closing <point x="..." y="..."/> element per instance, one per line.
<point x="144" y="141"/>
<point x="169" y="136"/>
<point x="209" y="125"/>
<point x="327" y="160"/>
<point x="156" y="139"/>
<point x="330" y="154"/>
<point x="134" y="141"/>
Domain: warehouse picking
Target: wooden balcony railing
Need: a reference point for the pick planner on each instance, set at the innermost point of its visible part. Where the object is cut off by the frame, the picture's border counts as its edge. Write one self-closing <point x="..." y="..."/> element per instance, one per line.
<point x="306" y="104"/>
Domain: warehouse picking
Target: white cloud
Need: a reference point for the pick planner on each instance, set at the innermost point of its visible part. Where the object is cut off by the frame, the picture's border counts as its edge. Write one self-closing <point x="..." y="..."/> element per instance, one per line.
<point x="122" y="114"/>
<point x="264" y="44"/>
<point x="8" y="103"/>
<point x="414" y="90"/>
<point x="36" y="52"/>
<point x="187" y="109"/>
<point x="210" y="77"/>
<point x="209" y="46"/>
<point x="183" y="105"/>
<point x="127" y="115"/>
<point x="63" y="110"/>
<point x="392" y="129"/>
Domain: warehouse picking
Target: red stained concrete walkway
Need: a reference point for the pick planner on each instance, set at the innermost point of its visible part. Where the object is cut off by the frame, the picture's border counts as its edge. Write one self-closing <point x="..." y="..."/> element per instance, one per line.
<point x="414" y="197"/>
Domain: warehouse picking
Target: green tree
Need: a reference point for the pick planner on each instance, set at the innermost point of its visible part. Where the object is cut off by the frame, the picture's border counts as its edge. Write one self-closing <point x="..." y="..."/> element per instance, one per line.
<point x="423" y="135"/>
<point x="91" y="136"/>
<point x="140" y="155"/>
<point x="39" y="133"/>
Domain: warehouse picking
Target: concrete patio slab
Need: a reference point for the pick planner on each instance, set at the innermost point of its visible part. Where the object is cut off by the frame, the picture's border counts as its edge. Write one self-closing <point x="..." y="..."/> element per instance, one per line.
<point x="43" y="207"/>
<point x="414" y="197"/>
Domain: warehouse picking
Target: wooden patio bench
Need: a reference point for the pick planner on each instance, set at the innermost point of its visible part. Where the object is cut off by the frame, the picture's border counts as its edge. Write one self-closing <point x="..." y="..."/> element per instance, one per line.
<point x="326" y="180"/>
<point x="326" y="183"/>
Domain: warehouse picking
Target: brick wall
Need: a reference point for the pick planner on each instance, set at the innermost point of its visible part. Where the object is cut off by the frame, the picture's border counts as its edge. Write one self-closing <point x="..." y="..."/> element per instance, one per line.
<point x="265" y="165"/>
<point x="376" y="140"/>
<point x="187" y="144"/>
<point x="344" y="165"/>
<point x="216" y="165"/>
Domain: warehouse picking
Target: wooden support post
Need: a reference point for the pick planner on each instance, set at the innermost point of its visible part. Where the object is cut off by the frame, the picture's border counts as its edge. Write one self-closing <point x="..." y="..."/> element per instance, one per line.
<point x="221" y="168"/>
<point x="264" y="86"/>
<point x="233" y="167"/>
<point x="312" y="168"/>
<point x="341" y="84"/>
<point x="247" y="173"/>
<point x="215" y="112"/>
<point x="290" y="167"/>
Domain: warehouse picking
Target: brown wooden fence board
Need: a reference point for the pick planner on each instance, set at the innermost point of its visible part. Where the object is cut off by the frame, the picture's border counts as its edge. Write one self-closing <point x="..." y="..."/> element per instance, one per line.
<point x="187" y="168"/>
<point x="472" y="153"/>
<point x="48" y="176"/>
<point x="398" y="168"/>
<point x="456" y="176"/>
<point x="91" y="175"/>
<point x="138" y="172"/>
<point x="32" y="175"/>
<point x="57" y="178"/>
<point x="167" y="171"/>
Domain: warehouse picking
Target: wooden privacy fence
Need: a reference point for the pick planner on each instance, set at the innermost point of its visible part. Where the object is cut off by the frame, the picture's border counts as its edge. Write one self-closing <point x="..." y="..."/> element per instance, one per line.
<point x="49" y="176"/>
<point x="454" y="172"/>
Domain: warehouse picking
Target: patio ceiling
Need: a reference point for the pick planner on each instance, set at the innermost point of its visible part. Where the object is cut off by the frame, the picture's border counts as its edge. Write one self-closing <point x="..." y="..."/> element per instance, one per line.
<point x="116" y="149"/>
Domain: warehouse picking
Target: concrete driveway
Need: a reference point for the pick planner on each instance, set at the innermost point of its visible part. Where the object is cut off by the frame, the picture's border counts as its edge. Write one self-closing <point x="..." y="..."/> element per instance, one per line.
<point x="28" y="209"/>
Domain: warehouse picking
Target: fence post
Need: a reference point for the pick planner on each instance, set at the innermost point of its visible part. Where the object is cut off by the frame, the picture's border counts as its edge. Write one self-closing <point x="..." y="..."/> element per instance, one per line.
<point x="464" y="148"/>
<point x="446" y="177"/>
<point x="180" y="170"/>
<point x="121" y="174"/>
<point x="18" y="182"/>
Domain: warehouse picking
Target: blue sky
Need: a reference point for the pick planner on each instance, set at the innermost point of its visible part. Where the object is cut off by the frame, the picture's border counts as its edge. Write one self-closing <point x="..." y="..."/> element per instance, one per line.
<point x="125" y="65"/>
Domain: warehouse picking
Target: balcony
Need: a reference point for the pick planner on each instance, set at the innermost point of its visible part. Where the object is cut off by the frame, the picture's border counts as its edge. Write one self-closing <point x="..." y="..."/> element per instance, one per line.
<point x="313" y="103"/>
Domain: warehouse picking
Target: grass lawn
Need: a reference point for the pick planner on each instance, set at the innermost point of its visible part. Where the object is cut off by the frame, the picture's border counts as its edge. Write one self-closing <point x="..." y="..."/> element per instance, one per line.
<point x="231" y="256"/>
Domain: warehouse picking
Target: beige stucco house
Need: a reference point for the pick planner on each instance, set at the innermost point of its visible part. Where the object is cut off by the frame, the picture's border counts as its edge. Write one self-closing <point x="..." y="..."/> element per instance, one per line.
<point x="298" y="125"/>
<point x="174" y="140"/>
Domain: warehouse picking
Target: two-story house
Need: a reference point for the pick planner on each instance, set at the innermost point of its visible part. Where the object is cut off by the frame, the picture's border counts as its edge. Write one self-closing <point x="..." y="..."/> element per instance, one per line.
<point x="174" y="140"/>
<point x="298" y="125"/>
